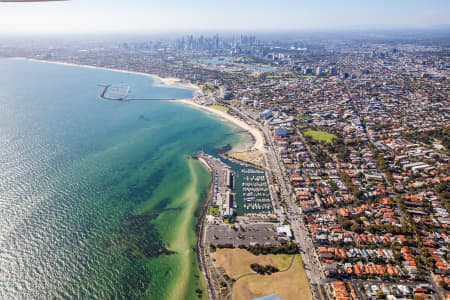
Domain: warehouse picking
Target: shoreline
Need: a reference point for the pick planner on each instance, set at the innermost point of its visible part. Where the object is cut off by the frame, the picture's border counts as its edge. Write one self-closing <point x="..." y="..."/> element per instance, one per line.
<point x="172" y="82"/>
<point x="258" y="141"/>
<point x="200" y="231"/>
<point x="180" y="244"/>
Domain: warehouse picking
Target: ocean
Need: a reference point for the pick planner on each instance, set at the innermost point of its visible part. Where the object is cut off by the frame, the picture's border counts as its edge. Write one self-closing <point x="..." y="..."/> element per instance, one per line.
<point x="99" y="199"/>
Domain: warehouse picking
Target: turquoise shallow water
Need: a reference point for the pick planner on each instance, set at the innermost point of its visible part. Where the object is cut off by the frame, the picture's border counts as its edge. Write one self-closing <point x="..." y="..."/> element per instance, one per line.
<point x="91" y="191"/>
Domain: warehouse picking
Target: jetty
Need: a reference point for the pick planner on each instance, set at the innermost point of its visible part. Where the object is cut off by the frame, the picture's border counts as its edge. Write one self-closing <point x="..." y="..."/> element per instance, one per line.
<point x="115" y="92"/>
<point x="237" y="132"/>
<point x="121" y="93"/>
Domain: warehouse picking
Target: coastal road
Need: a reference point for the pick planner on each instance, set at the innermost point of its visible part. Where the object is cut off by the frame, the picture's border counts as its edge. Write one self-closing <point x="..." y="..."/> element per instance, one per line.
<point x="294" y="215"/>
<point x="298" y="228"/>
<point x="213" y="277"/>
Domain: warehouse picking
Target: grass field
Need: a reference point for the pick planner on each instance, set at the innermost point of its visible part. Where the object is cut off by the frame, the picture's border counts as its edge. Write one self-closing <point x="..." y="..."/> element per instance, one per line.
<point x="213" y="211"/>
<point x="208" y="89"/>
<point x="236" y="262"/>
<point x="289" y="285"/>
<point x="219" y="107"/>
<point x="320" y="136"/>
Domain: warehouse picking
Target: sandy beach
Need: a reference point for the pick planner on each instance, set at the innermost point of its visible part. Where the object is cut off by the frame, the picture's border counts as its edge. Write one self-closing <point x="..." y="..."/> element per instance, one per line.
<point x="257" y="137"/>
<point x="178" y="83"/>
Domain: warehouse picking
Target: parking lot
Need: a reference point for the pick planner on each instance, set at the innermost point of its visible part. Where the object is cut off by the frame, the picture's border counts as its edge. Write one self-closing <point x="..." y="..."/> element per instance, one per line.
<point x="242" y="234"/>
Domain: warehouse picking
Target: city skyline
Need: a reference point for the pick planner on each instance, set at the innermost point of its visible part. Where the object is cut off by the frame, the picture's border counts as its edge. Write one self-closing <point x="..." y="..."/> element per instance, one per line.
<point x="117" y="17"/>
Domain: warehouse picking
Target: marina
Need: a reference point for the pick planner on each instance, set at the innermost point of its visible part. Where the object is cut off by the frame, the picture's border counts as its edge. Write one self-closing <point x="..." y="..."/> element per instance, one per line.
<point x="239" y="190"/>
<point x="251" y="189"/>
<point x="122" y="92"/>
<point x="115" y="92"/>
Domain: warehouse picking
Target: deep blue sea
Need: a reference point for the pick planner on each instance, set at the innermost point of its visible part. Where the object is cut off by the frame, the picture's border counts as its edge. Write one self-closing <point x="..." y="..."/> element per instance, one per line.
<point x="98" y="199"/>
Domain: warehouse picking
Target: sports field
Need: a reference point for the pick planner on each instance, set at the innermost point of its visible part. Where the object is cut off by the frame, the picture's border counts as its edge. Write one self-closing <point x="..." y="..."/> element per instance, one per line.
<point x="236" y="262"/>
<point x="320" y="136"/>
<point x="291" y="284"/>
<point x="219" y="107"/>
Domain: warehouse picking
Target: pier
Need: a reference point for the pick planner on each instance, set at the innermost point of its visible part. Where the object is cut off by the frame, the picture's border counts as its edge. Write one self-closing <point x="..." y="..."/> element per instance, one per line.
<point x="119" y="93"/>
<point x="237" y="132"/>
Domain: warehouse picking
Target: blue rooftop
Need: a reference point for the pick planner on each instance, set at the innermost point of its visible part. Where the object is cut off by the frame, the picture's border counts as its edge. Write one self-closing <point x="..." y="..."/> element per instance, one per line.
<point x="273" y="297"/>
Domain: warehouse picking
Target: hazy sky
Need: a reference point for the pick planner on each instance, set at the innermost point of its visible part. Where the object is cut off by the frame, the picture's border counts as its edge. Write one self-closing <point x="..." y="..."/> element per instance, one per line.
<point x="185" y="15"/>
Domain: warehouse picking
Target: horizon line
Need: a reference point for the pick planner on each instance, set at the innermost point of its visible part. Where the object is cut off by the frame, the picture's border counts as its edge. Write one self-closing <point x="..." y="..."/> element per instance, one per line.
<point x="356" y="28"/>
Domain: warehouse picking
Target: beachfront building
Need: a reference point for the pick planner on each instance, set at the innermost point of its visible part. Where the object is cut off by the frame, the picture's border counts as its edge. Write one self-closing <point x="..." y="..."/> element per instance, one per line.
<point x="246" y="101"/>
<point x="267" y="114"/>
<point x="229" y="179"/>
<point x="228" y="210"/>
<point x="284" y="231"/>
<point x="280" y="131"/>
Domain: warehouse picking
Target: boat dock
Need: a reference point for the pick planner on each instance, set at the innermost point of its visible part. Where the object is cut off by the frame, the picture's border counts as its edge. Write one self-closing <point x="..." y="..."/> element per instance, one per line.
<point x="121" y="93"/>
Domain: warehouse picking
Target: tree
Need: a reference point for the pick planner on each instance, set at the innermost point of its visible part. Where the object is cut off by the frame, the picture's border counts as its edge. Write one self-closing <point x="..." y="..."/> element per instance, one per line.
<point x="356" y="228"/>
<point x="268" y="269"/>
<point x="381" y="295"/>
<point x="346" y="224"/>
<point x="443" y="284"/>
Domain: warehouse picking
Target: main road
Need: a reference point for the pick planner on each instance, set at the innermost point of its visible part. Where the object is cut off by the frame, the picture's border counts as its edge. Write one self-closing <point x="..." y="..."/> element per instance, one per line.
<point x="294" y="216"/>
